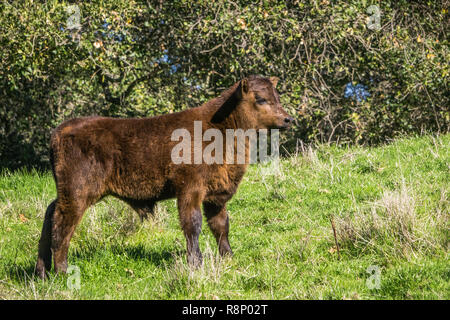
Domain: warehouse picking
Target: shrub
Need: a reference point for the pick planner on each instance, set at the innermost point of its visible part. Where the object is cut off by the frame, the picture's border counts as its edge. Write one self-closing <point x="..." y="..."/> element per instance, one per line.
<point x="343" y="79"/>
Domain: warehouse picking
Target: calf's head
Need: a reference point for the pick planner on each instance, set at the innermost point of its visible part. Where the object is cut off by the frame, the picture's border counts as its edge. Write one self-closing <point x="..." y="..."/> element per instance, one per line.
<point x="257" y="102"/>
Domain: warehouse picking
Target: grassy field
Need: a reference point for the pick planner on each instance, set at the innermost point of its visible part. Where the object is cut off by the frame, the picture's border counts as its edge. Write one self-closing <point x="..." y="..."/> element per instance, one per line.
<point x="389" y="205"/>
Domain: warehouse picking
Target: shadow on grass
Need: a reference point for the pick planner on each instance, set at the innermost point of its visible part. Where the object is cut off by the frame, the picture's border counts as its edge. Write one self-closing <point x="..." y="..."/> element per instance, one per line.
<point x="162" y="257"/>
<point x="159" y="257"/>
<point x="21" y="272"/>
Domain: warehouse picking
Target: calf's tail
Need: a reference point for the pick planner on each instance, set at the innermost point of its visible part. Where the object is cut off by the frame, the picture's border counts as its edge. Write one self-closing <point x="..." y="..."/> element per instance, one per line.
<point x="44" y="261"/>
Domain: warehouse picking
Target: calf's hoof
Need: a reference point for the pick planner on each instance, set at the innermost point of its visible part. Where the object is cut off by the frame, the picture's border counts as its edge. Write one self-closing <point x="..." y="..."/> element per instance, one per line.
<point x="61" y="267"/>
<point x="195" y="260"/>
<point x="40" y="269"/>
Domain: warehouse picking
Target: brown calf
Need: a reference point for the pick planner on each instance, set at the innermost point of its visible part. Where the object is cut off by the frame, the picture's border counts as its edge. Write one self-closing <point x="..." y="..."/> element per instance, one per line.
<point x="131" y="160"/>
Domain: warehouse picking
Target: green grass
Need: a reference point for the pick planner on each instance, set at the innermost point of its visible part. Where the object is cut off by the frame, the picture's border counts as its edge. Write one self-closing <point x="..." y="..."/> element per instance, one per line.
<point x="389" y="205"/>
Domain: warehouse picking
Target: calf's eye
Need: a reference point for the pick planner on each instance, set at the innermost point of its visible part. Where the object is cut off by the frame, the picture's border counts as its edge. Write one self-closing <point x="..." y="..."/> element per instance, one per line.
<point x="260" y="100"/>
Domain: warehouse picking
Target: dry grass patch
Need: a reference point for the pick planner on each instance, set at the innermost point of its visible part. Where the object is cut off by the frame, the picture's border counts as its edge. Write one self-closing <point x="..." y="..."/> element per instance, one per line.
<point x="392" y="227"/>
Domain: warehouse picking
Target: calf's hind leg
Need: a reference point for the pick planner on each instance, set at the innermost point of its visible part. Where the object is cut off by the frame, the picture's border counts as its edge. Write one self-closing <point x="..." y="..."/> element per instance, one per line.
<point x="218" y="222"/>
<point x="65" y="219"/>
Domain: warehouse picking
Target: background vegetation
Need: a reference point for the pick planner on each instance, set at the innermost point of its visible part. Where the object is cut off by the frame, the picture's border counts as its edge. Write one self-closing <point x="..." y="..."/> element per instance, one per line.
<point x="351" y="84"/>
<point x="343" y="80"/>
<point x="389" y="205"/>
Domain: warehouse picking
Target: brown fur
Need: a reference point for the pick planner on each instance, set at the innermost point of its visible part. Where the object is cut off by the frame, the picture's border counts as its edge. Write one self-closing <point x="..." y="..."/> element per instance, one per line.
<point x="131" y="159"/>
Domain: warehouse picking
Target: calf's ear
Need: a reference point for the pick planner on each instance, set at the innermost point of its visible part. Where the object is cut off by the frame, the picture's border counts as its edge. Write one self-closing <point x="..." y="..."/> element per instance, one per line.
<point x="244" y="86"/>
<point x="274" y="81"/>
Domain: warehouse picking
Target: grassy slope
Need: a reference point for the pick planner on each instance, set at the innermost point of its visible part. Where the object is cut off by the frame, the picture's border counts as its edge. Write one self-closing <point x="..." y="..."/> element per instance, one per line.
<point x="389" y="204"/>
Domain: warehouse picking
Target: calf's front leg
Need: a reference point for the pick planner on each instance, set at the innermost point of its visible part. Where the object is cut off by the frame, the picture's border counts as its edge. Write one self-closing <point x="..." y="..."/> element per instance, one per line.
<point x="191" y="222"/>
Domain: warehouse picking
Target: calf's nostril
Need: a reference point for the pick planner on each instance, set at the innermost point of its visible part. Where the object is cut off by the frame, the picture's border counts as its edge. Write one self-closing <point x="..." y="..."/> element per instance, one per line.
<point x="288" y="120"/>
